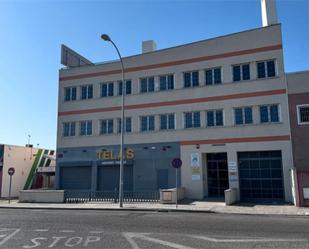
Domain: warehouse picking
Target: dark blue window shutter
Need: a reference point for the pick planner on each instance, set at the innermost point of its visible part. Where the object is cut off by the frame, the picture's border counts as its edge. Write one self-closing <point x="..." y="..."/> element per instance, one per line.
<point x="261" y="70"/>
<point x="210" y="118"/>
<point x="271" y="71"/>
<point x="219" y="118"/>
<point x="248" y="115"/>
<point x="246" y="72"/>
<point x="236" y="73"/>
<point x="217" y="75"/>
<point x="163" y="122"/>
<point x="209" y="77"/>
<point x="264" y="114"/>
<point x="274" y="113"/>
<point x="238" y="116"/>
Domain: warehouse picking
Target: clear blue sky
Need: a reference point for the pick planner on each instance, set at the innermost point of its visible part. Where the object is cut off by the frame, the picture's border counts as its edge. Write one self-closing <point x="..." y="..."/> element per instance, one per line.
<point x="32" y="32"/>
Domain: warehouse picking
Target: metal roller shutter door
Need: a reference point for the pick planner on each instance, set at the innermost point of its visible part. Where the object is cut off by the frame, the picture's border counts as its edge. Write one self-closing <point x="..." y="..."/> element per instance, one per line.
<point x="108" y="178"/>
<point x="78" y="177"/>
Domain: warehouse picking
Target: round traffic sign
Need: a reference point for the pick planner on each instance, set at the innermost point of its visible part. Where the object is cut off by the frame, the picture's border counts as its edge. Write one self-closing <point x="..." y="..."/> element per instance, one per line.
<point x="11" y="171"/>
<point x="176" y="163"/>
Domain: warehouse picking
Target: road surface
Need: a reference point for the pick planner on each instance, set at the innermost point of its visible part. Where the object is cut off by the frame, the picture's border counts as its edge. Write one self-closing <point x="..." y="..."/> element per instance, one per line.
<point x="122" y="229"/>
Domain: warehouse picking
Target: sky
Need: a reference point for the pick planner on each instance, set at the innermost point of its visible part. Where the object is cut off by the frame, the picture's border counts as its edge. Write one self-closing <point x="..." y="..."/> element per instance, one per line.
<point x="32" y="32"/>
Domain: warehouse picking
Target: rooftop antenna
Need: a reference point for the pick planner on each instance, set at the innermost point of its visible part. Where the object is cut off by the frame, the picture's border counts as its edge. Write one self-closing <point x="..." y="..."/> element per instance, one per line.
<point x="29" y="136"/>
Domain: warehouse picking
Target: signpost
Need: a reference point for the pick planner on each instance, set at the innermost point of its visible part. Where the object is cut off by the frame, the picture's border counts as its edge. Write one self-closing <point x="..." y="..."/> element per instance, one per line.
<point x="176" y="163"/>
<point x="11" y="172"/>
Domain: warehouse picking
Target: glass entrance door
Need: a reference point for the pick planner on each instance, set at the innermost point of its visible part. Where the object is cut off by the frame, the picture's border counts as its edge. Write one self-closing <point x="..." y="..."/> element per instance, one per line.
<point x="217" y="174"/>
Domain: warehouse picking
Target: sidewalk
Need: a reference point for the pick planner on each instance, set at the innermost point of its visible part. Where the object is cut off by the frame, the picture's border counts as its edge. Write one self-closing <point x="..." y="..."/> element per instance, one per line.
<point x="194" y="206"/>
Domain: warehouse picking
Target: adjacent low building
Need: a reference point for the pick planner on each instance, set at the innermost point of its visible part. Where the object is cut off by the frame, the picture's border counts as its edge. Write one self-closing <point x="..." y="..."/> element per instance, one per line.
<point x="34" y="168"/>
<point x="221" y="105"/>
<point x="298" y="95"/>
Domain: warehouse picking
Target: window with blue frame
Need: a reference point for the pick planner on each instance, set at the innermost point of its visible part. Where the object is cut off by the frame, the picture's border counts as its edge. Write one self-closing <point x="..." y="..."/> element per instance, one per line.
<point x="241" y="72"/>
<point x="85" y="128"/>
<point x="243" y="115"/>
<point x="269" y="113"/>
<point x="167" y="121"/>
<point x="147" y="123"/>
<point x="128" y="87"/>
<point x="127" y="125"/>
<point x="69" y="93"/>
<point x="266" y="69"/>
<point x="87" y="92"/>
<point x="191" y="79"/>
<point x="213" y="76"/>
<point x="107" y="89"/>
<point x="214" y="118"/>
<point x="192" y="120"/>
<point x="147" y="84"/>
<point x="69" y="129"/>
<point x="166" y="82"/>
<point x="106" y="126"/>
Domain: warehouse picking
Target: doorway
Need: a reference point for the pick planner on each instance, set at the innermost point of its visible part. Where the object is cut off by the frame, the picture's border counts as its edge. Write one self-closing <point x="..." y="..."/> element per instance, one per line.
<point x="217" y="174"/>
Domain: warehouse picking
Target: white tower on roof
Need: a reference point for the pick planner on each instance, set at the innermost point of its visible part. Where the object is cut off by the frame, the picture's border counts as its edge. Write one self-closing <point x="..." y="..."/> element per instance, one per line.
<point x="269" y="12"/>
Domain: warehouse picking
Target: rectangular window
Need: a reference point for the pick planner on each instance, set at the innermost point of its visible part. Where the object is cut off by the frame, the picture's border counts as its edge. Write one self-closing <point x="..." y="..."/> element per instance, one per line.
<point x="147" y="85"/>
<point x="128" y="87"/>
<point x="167" y="122"/>
<point x="87" y="92"/>
<point x="69" y="129"/>
<point x="127" y="124"/>
<point x="85" y="128"/>
<point x="106" y="126"/>
<point x="243" y="115"/>
<point x="213" y="76"/>
<point x="269" y="113"/>
<point x="191" y="79"/>
<point x="241" y="72"/>
<point x="303" y="114"/>
<point x="107" y="89"/>
<point x="214" y="118"/>
<point x="192" y="119"/>
<point x="147" y="123"/>
<point x="166" y="82"/>
<point x="69" y="93"/>
<point x="266" y="69"/>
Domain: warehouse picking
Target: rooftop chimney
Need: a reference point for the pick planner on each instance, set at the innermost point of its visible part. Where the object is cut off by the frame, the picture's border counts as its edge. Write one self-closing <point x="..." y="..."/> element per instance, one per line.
<point x="269" y="12"/>
<point x="148" y="46"/>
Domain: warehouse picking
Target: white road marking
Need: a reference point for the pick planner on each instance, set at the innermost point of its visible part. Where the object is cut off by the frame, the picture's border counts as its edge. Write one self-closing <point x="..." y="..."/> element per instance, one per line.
<point x="91" y="239"/>
<point x="74" y="241"/>
<point x="35" y="242"/>
<point x="7" y="236"/>
<point x="253" y="240"/>
<point x="66" y="231"/>
<point x="41" y="230"/>
<point x="96" y="232"/>
<point x="56" y="240"/>
<point x="145" y="236"/>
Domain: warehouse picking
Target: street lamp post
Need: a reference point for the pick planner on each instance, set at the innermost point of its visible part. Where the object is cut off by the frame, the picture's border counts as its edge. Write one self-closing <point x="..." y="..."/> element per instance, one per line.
<point x="105" y="37"/>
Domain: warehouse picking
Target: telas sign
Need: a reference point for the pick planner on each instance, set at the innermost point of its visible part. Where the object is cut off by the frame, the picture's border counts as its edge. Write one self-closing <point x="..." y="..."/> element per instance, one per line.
<point x="105" y="154"/>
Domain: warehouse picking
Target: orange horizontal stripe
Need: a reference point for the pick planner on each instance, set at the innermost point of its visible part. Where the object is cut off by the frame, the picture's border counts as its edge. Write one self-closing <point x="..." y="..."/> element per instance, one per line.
<point x="174" y="63"/>
<point x="237" y="140"/>
<point x="177" y="102"/>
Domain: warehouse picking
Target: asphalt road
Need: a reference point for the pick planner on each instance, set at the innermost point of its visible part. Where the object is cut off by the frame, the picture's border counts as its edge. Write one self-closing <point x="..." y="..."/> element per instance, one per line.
<point x="118" y="229"/>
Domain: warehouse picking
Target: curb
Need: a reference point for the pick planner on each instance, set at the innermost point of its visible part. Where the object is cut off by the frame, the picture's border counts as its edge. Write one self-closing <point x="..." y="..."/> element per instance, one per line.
<point x="159" y="210"/>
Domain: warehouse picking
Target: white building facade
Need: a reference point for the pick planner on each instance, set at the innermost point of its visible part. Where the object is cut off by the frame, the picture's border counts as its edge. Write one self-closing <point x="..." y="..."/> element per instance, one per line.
<point x="219" y="104"/>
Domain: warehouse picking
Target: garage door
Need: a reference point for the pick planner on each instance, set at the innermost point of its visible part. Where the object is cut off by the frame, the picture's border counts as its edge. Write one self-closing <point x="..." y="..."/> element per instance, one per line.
<point x="78" y="177"/>
<point x="260" y="175"/>
<point x="108" y="178"/>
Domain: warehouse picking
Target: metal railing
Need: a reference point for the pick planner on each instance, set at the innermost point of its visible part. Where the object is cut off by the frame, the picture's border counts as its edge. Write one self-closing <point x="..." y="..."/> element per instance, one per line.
<point x="83" y="196"/>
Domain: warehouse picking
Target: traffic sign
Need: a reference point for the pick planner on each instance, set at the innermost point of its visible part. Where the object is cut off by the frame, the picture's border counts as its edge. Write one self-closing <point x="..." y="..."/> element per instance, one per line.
<point x="11" y="171"/>
<point x="176" y="163"/>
